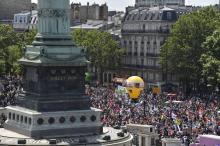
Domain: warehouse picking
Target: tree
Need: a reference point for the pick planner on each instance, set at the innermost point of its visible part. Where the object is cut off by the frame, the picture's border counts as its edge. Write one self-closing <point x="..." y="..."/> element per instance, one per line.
<point x="183" y="49"/>
<point x="211" y="60"/>
<point x="101" y="49"/>
<point x="11" y="48"/>
<point x="7" y="38"/>
<point x="29" y="36"/>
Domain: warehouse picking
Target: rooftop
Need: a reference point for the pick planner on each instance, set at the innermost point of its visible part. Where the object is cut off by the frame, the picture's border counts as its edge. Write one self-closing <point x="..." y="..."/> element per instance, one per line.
<point x="155" y="13"/>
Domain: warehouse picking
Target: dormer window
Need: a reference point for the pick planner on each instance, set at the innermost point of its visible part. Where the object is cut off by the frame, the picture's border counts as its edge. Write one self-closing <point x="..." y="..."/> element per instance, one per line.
<point x="169" y="16"/>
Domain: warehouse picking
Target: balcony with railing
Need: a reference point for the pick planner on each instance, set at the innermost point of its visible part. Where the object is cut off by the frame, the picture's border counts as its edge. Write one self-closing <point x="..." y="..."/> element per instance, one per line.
<point x="152" y="55"/>
<point x="130" y="66"/>
<point x="142" y="54"/>
<point x="163" y="31"/>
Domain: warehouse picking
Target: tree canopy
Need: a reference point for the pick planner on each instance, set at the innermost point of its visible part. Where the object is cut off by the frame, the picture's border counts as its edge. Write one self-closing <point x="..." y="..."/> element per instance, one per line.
<point x="101" y="49"/>
<point x="11" y="48"/>
<point x="210" y="60"/>
<point x="184" y="48"/>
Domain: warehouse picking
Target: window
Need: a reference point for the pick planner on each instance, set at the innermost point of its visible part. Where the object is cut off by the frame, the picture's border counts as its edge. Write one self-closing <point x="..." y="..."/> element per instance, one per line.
<point x="9" y="115"/>
<point x="150" y="62"/>
<point x="20" y="20"/>
<point x="105" y="77"/>
<point x="152" y="16"/>
<point x="142" y="62"/>
<point x="135" y="52"/>
<point x="169" y="16"/>
<point x="17" y="119"/>
<point x="29" y="121"/>
<point x="133" y="18"/>
<point x="25" y="120"/>
<point x="109" y="77"/>
<point x="140" y="16"/>
<point x="21" y="119"/>
<point x="16" y="19"/>
<point x="157" y="63"/>
<point x="157" y="76"/>
<point x="142" y="51"/>
<point x="146" y="16"/>
<point x="30" y="19"/>
<point x="151" y="76"/>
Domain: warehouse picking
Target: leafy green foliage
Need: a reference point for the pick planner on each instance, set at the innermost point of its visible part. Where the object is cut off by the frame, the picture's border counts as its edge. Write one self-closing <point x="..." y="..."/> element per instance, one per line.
<point x="183" y="49"/>
<point x="101" y="49"/>
<point x="11" y="47"/>
<point x="29" y="37"/>
<point x="211" y="59"/>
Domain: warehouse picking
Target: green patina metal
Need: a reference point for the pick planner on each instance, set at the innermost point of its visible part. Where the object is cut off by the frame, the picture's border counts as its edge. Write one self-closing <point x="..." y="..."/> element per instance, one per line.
<point x="53" y="45"/>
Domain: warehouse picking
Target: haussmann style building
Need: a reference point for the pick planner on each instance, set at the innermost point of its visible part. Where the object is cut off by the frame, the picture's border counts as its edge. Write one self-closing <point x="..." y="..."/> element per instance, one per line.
<point x="145" y="28"/>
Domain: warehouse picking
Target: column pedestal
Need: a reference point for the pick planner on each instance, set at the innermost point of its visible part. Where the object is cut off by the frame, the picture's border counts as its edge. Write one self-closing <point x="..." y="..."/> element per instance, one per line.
<point x="53" y="124"/>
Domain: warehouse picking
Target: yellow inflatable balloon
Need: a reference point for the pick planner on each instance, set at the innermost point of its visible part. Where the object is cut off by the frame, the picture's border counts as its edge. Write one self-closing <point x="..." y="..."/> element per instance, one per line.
<point x="134" y="86"/>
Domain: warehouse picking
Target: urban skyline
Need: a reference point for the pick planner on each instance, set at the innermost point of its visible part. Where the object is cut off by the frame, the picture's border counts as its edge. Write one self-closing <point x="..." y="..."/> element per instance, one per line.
<point x="120" y="5"/>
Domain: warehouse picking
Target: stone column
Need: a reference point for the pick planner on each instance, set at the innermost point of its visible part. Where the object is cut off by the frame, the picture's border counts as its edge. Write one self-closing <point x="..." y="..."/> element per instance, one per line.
<point x="53" y="16"/>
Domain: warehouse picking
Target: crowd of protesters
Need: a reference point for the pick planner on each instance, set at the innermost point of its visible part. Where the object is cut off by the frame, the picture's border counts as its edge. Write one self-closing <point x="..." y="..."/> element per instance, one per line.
<point x="10" y="86"/>
<point x="185" y="119"/>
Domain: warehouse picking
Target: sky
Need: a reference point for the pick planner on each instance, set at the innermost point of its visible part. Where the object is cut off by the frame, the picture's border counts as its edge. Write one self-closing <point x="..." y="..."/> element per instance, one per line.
<point x="120" y="5"/>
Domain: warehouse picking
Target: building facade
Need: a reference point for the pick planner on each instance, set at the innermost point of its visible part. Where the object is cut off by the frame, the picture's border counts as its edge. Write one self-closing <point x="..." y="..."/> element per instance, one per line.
<point x="10" y="7"/>
<point x="75" y="15"/>
<point x="144" y="31"/>
<point x="82" y="13"/>
<point x="151" y="3"/>
<point x="25" y="21"/>
<point x="144" y="135"/>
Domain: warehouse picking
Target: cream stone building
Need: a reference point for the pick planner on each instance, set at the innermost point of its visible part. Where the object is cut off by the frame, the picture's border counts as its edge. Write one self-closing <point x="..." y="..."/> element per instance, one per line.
<point x="151" y="3"/>
<point x="144" y="31"/>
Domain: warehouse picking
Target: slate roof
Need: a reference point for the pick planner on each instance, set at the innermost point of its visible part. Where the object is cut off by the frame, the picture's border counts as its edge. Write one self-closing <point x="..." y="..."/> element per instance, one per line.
<point x="154" y="14"/>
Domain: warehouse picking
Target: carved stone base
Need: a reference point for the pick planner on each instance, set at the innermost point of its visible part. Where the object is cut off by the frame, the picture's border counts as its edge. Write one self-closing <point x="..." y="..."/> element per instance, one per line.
<point x="53" y="124"/>
<point x="56" y="103"/>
